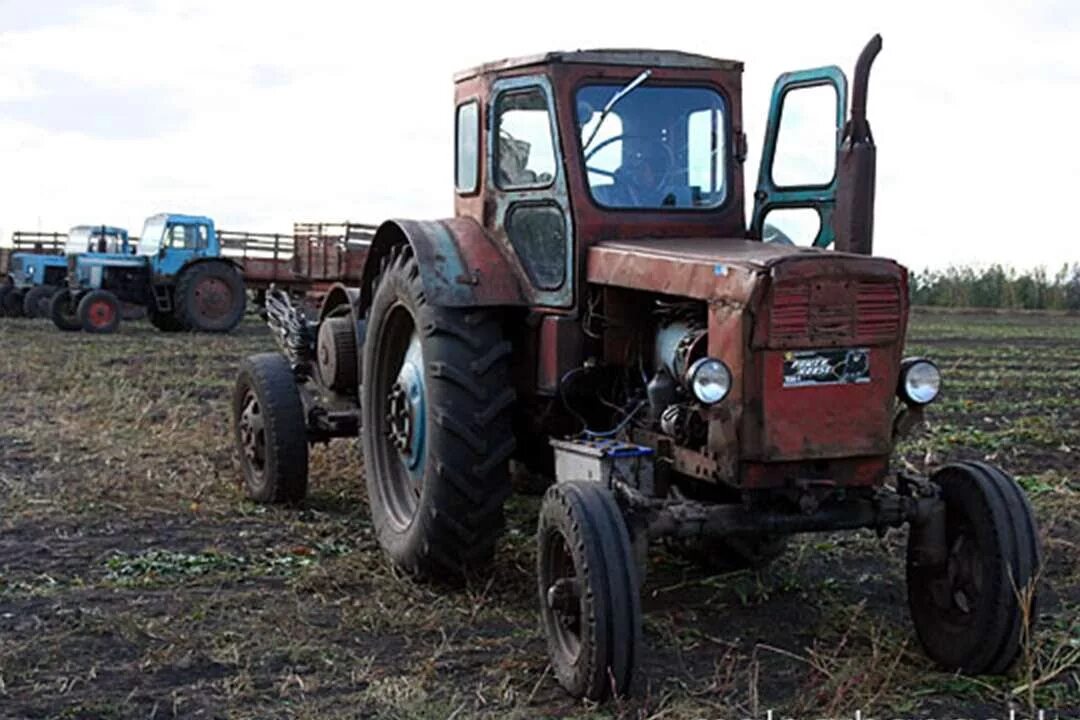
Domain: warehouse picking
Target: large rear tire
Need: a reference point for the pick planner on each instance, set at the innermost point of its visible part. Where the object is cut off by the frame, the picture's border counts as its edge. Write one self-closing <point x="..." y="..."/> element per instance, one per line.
<point x="210" y="297"/>
<point x="270" y="432"/>
<point x="4" y="291"/>
<point x="589" y="603"/>
<point x="971" y="613"/>
<point x="99" y="312"/>
<point x="436" y="403"/>
<point x="64" y="311"/>
<point x="36" y="302"/>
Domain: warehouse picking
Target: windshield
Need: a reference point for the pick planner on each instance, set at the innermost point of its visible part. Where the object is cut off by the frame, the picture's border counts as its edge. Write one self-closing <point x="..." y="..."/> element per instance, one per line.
<point x="150" y="240"/>
<point x="658" y="147"/>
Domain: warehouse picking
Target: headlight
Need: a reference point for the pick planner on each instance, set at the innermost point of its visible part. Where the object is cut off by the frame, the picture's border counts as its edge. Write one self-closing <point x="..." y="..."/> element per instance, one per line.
<point x="920" y="381"/>
<point x="709" y="380"/>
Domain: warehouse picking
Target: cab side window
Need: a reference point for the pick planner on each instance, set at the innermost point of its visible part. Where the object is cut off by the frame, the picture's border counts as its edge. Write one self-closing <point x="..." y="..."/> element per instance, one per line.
<point x="186" y="237"/>
<point x="525" y="150"/>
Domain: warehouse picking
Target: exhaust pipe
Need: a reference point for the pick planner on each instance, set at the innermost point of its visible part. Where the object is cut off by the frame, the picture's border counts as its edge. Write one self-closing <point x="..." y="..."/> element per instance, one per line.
<point x="856" y="166"/>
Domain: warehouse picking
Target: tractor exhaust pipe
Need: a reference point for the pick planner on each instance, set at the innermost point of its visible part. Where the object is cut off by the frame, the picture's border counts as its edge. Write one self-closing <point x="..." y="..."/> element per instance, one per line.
<point x="856" y="164"/>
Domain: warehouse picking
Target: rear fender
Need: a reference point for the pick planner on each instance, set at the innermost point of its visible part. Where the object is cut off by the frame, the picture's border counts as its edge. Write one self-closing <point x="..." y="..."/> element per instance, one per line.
<point x="460" y="265"/>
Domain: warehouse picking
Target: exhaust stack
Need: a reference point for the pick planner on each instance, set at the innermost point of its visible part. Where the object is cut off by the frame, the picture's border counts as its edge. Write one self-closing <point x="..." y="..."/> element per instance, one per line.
<point x="856" y="164"/>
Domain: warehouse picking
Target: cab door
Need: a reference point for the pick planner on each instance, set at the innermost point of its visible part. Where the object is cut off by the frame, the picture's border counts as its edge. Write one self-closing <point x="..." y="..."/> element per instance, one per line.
<point x="797" y="180"/>
<point x="529" y="208"/>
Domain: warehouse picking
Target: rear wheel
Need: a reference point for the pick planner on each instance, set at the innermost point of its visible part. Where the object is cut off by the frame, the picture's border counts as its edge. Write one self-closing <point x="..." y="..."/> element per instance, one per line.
<point x="337" y="354"/>
<point x="4" y="290"/>
<point x="99" y="312"/>
<point x="36" y="302"/>
<point x="210" y="297"/>
<point x="436" y="408"/>
<point x="972" y="612"/>
<point x="64" y="311"/>
<point x="589" y="604"/>
<point x="13" y="302"/>
<point x="270" y="433"/>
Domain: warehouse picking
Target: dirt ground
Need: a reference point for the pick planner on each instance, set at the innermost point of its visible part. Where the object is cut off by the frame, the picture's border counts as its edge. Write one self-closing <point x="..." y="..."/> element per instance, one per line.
<point x="136" y="582"/>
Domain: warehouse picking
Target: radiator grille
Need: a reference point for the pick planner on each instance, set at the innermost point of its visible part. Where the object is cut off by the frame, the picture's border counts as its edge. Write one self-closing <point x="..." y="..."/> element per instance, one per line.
<point x="807" y="314"/>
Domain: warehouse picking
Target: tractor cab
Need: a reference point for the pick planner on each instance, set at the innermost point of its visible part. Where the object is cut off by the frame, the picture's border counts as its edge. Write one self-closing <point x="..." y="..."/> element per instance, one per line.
<point x="100" y="239"/>
<point x="171" y="241"/>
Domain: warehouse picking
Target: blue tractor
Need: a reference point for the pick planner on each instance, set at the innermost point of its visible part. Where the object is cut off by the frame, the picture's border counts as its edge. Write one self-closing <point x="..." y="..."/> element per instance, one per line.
<point x="178" y="273"/>
<point x="35" y="261"/>
<point x="34" y="277"/>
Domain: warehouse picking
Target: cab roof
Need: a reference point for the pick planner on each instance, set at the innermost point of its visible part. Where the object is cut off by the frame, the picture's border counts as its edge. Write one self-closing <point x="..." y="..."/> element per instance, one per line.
<point x="626" y="56"/>
<point x="181" y="218"/>
<point x="108" y="229"/>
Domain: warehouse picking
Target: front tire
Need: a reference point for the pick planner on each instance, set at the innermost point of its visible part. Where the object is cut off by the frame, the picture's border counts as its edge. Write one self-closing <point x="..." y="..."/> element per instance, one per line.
<point x="64" y="311"/>
<point x="969" y="612"/>
<point x="99" y="312"/>
<point x="589" y="603"/>
<point x="210" y="297"/>
<point x="36" y="302"/>
<point x="13" y="302"/>
<point x="437" y="440"/>
<point x="269" y="430"/>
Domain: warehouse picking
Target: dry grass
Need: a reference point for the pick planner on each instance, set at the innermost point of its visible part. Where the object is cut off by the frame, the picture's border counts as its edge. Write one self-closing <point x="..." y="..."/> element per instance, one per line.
<point x="136" y="582"/>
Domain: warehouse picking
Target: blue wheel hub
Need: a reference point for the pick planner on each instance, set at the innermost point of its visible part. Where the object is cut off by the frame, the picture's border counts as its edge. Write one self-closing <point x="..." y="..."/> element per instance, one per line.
<point x="406" y="411"/>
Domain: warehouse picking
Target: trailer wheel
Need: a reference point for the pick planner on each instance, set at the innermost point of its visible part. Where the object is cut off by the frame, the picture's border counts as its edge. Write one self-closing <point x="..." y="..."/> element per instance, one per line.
<point x="270" y="432"/>
<point x="337" y="354"/>
<point x="99" y="312"/>
<point x="968" y="612"/>
<point x="436" y="416"/>
<point x="13" y="302"/>
<point x="64" y="311"/>
<point x="165" y="322"/>
<point x="4" y="291"/>
<point x="589" y="604"/>
<point x="210" y="297"/>
<point x="36" y="302"/>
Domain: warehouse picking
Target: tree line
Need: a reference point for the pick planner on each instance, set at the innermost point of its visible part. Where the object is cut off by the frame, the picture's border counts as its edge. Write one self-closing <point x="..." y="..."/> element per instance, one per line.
<point x="998" y="286"/>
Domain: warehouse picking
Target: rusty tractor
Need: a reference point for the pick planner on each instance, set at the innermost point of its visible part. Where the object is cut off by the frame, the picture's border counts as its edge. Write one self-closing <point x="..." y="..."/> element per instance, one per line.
<point x="598" y="312"/>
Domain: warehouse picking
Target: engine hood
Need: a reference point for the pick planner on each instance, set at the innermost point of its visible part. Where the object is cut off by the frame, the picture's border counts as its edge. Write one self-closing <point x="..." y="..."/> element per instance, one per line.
<point x="720" y="268"/>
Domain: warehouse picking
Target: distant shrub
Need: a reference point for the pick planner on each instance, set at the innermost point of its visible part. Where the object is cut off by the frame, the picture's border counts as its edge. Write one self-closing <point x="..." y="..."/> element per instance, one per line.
<point x="997" y="286"/>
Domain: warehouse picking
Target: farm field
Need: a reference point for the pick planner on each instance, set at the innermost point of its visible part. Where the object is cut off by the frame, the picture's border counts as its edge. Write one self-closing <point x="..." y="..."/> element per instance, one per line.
<point x="136" y="582"/>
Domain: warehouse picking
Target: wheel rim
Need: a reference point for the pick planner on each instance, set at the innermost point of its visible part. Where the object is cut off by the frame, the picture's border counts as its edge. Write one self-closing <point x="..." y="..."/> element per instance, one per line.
<point x="956" y="588"/>
<point x="212" y="298"/>
<point x="401" y="416"/>
<point x="253" y="435"/>
<point x="100" y="314"/>
<point x="561" y="588"/>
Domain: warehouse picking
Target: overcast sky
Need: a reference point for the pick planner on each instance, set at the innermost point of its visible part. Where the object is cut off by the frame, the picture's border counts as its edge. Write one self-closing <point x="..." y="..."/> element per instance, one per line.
<point x="260" y="113"/>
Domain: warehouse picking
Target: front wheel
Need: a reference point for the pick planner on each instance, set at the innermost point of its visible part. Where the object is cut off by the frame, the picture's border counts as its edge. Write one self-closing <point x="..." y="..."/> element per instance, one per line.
<point x="973" y="611"/>
<point x="36" y="302"/>
<point x="99" y="312"/>
<point x="270" y="433"/>
<point x="210" y="297"/>
<point x="64" y="311"/>
<point x="589" y="604"/>
<point x="436" y="405"/>
<point x="13" y="302"/>
<point x="5" y="290"/>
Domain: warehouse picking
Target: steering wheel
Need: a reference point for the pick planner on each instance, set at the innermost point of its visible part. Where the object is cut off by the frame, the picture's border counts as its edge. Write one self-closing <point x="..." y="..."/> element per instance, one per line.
<point x="667" y="154"/>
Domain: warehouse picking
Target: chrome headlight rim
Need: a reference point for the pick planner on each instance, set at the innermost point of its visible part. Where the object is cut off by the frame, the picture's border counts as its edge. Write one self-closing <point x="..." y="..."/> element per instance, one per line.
<point x="903" y="388"/>
<point x="706" y="364"/>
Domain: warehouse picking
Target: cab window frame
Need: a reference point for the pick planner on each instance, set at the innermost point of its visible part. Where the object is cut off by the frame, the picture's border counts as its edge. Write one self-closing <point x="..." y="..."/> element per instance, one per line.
<point x="553" y="134"/>
<point x="478" y="155"/>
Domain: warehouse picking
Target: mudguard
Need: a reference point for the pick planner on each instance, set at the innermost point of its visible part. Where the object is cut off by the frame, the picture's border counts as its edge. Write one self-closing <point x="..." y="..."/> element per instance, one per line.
<point x="460" y="265"/>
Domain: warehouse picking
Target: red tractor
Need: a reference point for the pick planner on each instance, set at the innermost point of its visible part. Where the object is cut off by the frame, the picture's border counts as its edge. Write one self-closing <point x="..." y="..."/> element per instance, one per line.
<point x="599" y="313"/>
